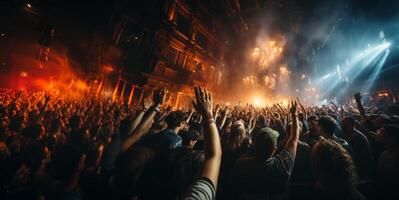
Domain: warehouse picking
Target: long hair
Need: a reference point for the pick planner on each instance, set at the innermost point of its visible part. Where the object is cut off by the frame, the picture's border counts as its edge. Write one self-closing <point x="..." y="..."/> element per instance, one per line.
<point x="333" y="168"/>
<point x="235" y="138"/>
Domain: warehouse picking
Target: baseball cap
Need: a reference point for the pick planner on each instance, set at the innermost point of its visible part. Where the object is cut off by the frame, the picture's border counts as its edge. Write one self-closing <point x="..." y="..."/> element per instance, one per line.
<point x="270" y="133"/>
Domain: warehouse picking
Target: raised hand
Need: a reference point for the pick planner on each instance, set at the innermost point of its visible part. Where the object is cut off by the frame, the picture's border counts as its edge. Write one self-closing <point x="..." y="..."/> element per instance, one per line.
<point x="226" y="111"/>
<point x="357" y="96"/>
<point x="147" y="103"/>
<point x="159" y="96"/>
<point x="47" y="98"/>
<point x="293" y="107"/>
<point x="217" y="109"/>
<point x="203" y="102"/>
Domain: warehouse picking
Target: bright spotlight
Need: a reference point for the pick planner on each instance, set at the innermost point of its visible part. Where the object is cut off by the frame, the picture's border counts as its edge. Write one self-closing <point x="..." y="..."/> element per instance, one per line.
<point x="385" y="45"/>
<point x="257" y="102"/>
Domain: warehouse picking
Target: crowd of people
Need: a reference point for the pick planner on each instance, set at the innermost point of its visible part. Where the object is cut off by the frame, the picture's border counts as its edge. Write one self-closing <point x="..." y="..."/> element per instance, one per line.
<point x="54" y="147"/>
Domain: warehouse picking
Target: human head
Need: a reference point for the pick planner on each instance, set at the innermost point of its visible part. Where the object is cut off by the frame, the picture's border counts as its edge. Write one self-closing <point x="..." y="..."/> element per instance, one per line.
<point x="390" y="136"/>
<point x="128" y="168"/>
<point x="301" y="117"/>
<point x="35" y="131"/>
<point x="159" y="126"/>
<point x="189" y="138"/>
<point x="333" y="168"/>
<point x="348" y="125"/>
<point x="68" y="161"/>
<point x="236" y="136"/>
<point x="56" y="126"/>
<point x="17" y="123"/>
<point x="33" y="116"/>
<point x="265" y="143"/>
<point x="79" y="138"/>
<point x="176" y="119"/>
<point x="34" y="154"/>
<point x="75" y="122"/>
<point x="380" y="120"/>
<point x="312" y="122"/>
<point x="326" y="126"/>
<point x="262" y="121"/>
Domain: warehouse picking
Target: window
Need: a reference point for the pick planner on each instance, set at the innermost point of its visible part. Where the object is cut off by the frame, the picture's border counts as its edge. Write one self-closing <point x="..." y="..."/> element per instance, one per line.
<point x="215" y="51"/>
<point x="171" y="57"/>
<point x="202" y="41"/>
<point x="183" y="24"/>
<point x="190" y="65"/>
<point x="180" y="60"/>
<point x="130" y="35"/>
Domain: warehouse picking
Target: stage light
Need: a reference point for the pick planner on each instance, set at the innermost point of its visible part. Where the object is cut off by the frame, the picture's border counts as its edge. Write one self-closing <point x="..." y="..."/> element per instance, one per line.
<point x="23" y="74"/>
<point x="28" y="5"/>
<point x="257" y="102"/>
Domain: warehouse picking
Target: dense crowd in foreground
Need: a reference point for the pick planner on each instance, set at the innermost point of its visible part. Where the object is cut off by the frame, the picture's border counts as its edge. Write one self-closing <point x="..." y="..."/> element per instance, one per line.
<point x="56" y="148"/>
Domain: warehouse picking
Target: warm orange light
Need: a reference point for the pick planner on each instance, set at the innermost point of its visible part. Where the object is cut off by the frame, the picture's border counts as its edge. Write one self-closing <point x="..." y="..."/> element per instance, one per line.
<point x="23" y="74"/>
<point x="285" y="103"/>
<point x="267" y="53"/>
<point x="383" y="94"/>
<point x="283" y="70"/>
<point x="258" y="101"/>
<point x="107" y="69"/>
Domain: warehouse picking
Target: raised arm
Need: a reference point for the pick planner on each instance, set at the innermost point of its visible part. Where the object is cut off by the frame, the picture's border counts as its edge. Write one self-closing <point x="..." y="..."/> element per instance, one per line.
<point x="305" y="113"/>
<point x="43" y="108"/>
<point x="145" y="124"/>
<point x="223" y="121"/>
<point x="213" y="150"/>
<point x="359" y="105"/>
<point x="147" y="103"/>
<point x="292" y="142"/>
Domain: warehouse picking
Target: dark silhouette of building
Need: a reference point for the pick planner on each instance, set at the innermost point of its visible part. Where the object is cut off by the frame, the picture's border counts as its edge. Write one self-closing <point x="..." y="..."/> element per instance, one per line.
<point x="174" y="44"/>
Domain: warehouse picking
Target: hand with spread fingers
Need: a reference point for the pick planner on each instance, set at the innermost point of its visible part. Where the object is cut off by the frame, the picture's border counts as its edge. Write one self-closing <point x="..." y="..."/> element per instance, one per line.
<point x="294" y="107"/>
<point x="147" y="103"/>
<point x="203" y="102"/>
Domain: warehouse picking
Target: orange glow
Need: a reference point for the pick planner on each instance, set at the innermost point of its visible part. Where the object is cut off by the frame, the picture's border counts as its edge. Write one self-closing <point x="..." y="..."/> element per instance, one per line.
<point x="283" y="70"/>
<point x="107" y="69"/>
<point x="23" y="74"/>
<point x="249" y="80"/>
<point x="268" y="53"/>
<point x="383" y="94"/>
<point x="258" y="102"/>
<point x="115" y="90"/>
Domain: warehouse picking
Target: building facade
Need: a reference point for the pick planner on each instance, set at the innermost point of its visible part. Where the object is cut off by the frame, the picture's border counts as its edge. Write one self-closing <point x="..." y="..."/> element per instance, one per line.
<point x="174" y="44"/>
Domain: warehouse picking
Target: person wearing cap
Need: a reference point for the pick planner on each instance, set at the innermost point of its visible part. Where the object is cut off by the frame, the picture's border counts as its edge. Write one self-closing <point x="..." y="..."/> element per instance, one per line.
<point x="266" y="173"/>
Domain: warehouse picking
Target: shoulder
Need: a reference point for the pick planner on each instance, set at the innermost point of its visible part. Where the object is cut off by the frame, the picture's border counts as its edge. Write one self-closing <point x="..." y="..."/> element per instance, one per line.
<point x="202" y="188"/>
<point x="361" y="136"/>
<point x="358" y="196"/>
<point x="284" y="161"/>
<point x="284" y="155"/>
